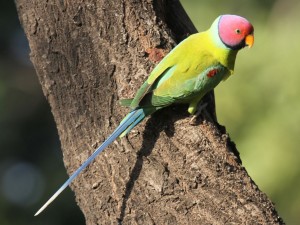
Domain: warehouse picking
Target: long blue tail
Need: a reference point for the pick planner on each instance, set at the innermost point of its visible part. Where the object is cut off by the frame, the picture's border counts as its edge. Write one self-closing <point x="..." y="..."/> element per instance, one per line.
<point x="133" y="118"/>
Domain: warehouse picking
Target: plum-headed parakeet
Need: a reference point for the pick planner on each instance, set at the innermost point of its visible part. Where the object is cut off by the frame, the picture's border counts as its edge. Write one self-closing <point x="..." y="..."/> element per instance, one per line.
<point x="185" y="75"/>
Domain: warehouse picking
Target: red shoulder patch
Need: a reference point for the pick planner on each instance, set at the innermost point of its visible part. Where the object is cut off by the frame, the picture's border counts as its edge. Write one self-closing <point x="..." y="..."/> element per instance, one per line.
<point x="212" y="73"/>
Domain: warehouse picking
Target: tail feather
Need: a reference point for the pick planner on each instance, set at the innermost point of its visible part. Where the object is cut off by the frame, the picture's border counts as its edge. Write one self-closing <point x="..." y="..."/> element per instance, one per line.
<point x="134" y="123"/>
<point x="129" y="121"/>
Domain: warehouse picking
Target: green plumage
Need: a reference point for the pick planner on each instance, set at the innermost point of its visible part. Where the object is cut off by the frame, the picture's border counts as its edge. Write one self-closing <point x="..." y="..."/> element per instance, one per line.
<point x="184" y="75"/>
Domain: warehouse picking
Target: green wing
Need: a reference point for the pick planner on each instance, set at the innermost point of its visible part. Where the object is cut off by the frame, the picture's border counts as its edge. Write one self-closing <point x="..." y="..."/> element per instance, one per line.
<point x="161" y="72"/>
<point x="177" y="89"/>
<point x="183" y="76"/>
<point x="146" y="90"/>
<point x="147" y="87"/>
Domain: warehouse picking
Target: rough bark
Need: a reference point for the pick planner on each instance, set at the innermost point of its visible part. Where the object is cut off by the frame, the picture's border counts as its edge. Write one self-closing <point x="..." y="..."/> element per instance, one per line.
<point x="88" y="55"/>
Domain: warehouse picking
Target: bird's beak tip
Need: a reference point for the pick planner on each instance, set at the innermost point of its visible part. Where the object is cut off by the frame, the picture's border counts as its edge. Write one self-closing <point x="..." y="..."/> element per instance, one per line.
<point x="249" y="41"/>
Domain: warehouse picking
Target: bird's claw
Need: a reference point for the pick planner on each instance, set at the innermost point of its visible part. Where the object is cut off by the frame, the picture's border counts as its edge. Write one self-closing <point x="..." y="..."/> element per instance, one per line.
<point x="200" y="108"/>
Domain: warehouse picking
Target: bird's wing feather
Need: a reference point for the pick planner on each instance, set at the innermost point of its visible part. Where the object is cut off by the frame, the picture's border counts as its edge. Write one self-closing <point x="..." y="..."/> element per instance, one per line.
<point x="181" y="75"/>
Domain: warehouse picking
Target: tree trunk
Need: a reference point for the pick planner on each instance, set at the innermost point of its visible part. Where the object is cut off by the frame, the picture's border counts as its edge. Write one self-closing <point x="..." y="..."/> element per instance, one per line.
<point x="90" y="54"/>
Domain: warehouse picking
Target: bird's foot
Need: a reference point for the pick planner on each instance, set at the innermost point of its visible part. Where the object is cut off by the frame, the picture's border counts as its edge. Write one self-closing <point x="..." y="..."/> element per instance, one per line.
<point x="200" y="108"/>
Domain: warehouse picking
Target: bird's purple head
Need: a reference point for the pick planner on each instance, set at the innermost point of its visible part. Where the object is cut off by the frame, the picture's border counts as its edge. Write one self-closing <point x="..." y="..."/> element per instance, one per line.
<point x="235" y="31"/>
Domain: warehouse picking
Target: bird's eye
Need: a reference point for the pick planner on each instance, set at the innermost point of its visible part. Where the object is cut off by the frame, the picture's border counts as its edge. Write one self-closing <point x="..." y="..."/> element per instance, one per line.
<point x="237" y="31"/>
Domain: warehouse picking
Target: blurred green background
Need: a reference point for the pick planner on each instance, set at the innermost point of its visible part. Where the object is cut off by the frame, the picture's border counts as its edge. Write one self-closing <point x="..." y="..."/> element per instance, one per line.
<point x="259" y="105"/>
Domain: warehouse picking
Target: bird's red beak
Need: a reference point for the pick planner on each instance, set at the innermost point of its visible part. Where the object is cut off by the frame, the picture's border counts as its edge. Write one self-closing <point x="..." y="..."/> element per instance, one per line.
<point x="249" y="40"/>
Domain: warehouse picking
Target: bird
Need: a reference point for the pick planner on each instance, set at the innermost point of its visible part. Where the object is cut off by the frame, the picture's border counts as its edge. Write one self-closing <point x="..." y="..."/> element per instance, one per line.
<point x="194" y="67"/>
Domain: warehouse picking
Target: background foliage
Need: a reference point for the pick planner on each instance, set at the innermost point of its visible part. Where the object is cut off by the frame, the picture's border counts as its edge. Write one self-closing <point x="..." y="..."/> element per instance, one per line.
<point x="259" y="106"/>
